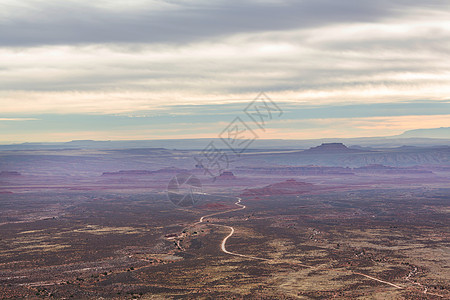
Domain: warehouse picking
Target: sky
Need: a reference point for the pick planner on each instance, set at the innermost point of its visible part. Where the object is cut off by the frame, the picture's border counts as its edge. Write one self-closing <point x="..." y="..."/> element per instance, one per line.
<point x="152" y="69"/>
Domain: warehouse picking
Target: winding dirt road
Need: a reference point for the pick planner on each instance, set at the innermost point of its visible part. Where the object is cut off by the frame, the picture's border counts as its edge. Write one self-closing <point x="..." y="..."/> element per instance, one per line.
<point x="224" y="241"/>
<point x="224" y="249"/>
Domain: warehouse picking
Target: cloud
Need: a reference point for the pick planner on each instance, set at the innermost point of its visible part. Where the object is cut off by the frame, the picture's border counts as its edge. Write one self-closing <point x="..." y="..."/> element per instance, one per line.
<point x="327" y="57"/>
<point x="32" y="22"/>
<point x="293" y="66"/>
<point x="298" y="121"/>
<point x="104" y="57"/>
<point x="312" y="128"/>
<point x="18" y="119"/>
<point x="354" y="127"/>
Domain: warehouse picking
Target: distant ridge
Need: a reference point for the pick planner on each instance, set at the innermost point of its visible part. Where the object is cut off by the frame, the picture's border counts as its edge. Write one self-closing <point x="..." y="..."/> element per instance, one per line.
<point x="438" y="133"/>
<point x="417" y="138"/>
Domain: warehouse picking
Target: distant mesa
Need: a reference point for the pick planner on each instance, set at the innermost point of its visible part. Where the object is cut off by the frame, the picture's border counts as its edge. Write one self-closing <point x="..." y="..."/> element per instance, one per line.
<point x="331" y="148"/>
<point x="288" y="187"/>
<point x="9" y="173"/>
<point x="226" y="175"/>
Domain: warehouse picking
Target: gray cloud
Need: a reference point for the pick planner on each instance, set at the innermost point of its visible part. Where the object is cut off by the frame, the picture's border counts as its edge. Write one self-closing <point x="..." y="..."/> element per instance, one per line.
<point x="56" y="22"/>
<point x="65" y="56"/>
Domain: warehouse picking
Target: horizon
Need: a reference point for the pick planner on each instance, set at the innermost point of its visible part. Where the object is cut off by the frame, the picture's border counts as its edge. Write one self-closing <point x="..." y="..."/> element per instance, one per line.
<point x="262" y="139"/>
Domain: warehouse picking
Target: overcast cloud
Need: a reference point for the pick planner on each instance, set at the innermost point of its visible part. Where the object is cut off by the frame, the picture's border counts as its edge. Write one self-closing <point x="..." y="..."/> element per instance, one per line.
<point x="106" y="57"/>
<point x="34" y="22"/>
